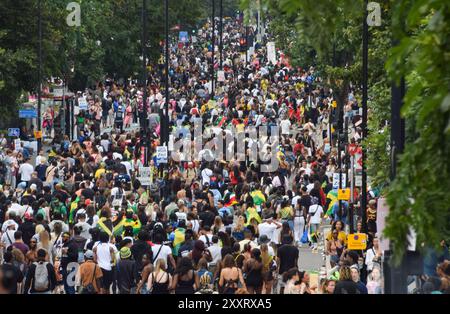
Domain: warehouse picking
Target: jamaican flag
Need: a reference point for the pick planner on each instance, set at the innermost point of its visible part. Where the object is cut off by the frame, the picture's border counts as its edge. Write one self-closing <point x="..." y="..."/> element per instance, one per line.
<point x="134" y="223"/>
<point x="251" y="213"/>
<point x="177" y="238"/>
<point x="258" y="197"/>
<point x="332" y="196"/>
<point x="73" y="207"/>
<point x="105" y="225"/>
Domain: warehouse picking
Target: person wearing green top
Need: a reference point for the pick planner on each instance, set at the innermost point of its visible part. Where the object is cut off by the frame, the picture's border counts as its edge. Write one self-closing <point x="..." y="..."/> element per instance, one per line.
<point x="57" y="207"/>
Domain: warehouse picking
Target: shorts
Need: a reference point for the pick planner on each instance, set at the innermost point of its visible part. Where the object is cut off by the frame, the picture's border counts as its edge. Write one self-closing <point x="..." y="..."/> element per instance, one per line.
<point x="107" y="278"/>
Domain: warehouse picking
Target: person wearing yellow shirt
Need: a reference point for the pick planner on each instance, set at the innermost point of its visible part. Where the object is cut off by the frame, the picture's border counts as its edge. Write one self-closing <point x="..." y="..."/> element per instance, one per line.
<point x="101" y="170"/>
<point x="342" y="235"/>
<point x="240" y="127"/>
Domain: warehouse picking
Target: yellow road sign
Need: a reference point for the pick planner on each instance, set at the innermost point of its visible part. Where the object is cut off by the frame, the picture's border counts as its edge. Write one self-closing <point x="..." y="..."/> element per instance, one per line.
<point x="344" y="194"/>
<point x="357" y="241"/>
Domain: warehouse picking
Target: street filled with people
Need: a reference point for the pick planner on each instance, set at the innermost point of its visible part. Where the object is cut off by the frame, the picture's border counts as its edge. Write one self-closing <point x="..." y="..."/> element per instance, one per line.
<point x="247" y="188"/>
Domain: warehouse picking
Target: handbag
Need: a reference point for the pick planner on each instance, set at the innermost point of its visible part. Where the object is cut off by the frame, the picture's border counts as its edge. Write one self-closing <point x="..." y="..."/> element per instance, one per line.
<point x="305" y="236"/>
<point x="90" y="289"/>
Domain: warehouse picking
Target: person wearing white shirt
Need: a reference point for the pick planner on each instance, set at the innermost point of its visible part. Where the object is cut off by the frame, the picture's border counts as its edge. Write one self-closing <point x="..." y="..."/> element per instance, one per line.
<point x="215" y="251"/>
<point x="315" y="214"/>
<point x="8" y="235"/>
<point x="206" y="175"/>
<point x="206" y="238"/>
<point x="162" y="251"/>
<point x="40" y="157"/>
<point x="285" y="127"/>
<point x="267" y="228"/>
<point x="25" y="171"/>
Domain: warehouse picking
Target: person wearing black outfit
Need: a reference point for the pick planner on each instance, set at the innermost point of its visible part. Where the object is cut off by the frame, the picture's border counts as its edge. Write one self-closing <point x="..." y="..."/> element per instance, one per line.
<point x="287" y="256"/>
<point x="69" y="255"/>
<point x="207" y="216"/>
<point x="188" y="244"/>
<point x="141" y="247"/>
<point x="127" y="273"/>
<point x="186" y="280"/>
<point x="12" y="275"/>
<point x="28" y="228"/>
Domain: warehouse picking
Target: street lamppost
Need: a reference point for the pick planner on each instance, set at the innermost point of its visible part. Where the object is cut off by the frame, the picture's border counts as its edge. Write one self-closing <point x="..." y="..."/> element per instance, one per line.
<point x="213" y="45"/>
<point x="143" y="120"/>
<point x="221" y="34"/>
<point x="39" y="140"/>
<point x="365" y="49"/>
<point x="165" y="125"/>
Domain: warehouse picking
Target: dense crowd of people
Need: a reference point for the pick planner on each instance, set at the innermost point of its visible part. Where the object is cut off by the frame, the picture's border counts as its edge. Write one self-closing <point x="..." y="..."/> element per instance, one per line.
<point x="77" y="218"/>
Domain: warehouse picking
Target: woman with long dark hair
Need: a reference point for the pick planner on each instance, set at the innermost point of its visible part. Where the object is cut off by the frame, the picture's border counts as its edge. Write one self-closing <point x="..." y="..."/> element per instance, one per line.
<point x="185" y="280"/>
<point x="253" y="270"/>
<point x="230" y="276"/>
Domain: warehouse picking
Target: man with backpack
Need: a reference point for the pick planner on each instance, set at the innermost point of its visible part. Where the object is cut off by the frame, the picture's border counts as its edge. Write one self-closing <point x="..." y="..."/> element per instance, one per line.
<point x="41" y="277"/>
<point x="119" y="118"/>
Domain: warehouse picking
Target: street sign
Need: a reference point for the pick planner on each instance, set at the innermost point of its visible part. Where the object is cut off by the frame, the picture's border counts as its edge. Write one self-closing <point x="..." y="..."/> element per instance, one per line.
<point x="343" y="194"/>
<point x="17" y="144"/>
<point x="161" y="154"/>
<point x="82" y="103"/>
<point x="14" y="132"/>
<point x="144" y="176"/>
<point x="184" y="37"/>
<point x="358" y="161"/>
<point x="336" y="180"/>
<point x="271" y="53"/>
<point x="357" y="241"/>
<point x="220" y="76"/>
<point x="37" y="134"/>
<point x="358" y="180"/>
<point x="58" y="91"/>
<point x="27" y="113"/>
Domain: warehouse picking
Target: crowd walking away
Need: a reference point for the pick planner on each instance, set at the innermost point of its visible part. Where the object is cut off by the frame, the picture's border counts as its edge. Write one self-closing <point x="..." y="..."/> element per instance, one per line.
<point x="80" y="218"/>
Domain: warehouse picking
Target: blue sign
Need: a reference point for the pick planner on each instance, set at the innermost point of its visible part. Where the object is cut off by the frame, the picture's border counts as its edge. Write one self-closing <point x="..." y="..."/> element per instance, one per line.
<point x="184" y="37"/>
<point x="28" y="113"/>
<point x="14" y="132"/>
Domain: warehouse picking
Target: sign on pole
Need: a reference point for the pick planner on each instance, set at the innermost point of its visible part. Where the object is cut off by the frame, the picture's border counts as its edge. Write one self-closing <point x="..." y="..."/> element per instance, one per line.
<point x="37" y="134"/>
<point x="161" y="154"/>
<point x="343" y="194"/>
<point x="14" y="132"/>
<point x="184" y="37"/>
<point x="144" y="176"/>
<point x="27" y="113"/>
<point x="17" y="144"/>
<point x="357" y="241"/>
<point x="82" y="103"/>
<point x="220" y="76"/>
<point x="271" y="53"/>
<point x="358" y="161"/>
<point x="358" y="180"/>
<point x="336" y="180"/>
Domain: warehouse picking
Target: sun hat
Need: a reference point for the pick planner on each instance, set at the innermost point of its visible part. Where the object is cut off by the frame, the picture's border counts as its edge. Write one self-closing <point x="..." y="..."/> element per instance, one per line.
<point x="125" y="252"/>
